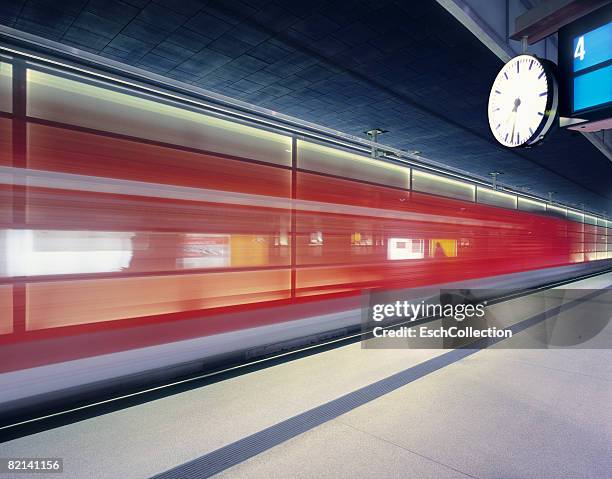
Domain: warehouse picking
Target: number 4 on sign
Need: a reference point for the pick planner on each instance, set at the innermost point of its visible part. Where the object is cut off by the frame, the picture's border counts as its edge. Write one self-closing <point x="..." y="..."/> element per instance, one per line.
<point x="580" y="51"/>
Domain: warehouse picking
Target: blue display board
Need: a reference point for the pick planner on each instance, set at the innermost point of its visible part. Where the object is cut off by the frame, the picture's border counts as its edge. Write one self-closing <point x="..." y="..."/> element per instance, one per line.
<point x="593" y="80"/>
<point x="593" y="88"/>
<point x="585" y="66"/>
<point x="593" y="48"/>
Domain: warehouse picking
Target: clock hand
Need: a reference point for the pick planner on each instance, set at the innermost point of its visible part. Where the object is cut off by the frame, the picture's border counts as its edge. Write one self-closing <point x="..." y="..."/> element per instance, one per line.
<point x="509" y="117"/>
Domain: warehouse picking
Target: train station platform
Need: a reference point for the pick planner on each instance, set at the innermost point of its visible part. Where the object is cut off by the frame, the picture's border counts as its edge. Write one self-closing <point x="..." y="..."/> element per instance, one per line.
<point x="305" y="239"/>
<point x="354" y="412"/>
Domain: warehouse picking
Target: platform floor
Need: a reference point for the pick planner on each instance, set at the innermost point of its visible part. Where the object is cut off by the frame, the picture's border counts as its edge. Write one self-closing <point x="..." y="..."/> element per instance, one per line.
<point x="497" y="413"/>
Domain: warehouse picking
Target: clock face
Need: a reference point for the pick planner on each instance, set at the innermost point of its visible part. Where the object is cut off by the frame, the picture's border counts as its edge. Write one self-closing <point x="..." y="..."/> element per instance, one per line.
<point x="523" y="102"/>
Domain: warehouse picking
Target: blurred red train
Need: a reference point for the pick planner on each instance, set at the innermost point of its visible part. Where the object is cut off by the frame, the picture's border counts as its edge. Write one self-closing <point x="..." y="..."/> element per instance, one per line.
<point x="129" y="220"/>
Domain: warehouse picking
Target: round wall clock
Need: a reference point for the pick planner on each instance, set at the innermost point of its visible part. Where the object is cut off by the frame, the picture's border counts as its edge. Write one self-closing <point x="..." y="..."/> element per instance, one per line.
<point x="523" y="101"/>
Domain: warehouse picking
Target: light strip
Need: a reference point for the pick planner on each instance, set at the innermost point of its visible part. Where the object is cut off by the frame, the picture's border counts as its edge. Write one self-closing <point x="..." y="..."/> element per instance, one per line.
<point x="441" y="179"/>
<point x="150" y="105"/>
<point x="572" y="214"/>
<point x="556" y="208"/>
<point x="329" y="151"/>
<point x="444" y="180"/>
<point x="532" y="202"/>
<point x="492" y="192"/>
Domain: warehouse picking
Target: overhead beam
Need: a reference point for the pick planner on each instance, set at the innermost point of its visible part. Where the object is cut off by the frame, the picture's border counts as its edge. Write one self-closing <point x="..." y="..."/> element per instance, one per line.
<point x="468" y="17"/>
<point x="600" y="141"/>
<point x="549" y="16"/>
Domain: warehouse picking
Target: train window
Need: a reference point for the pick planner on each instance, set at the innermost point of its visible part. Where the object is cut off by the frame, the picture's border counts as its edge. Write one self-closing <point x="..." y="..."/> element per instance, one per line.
<point x="526" y="204"/>
<point x="405" y="248"/>
<point x="361" y="239"/>
<point x="590" y="220"/>
<point x="45" y="252"/>
<point x="6" y="309"/>
<point x="496" y="198"/>
<point x="93" y="104"/>
<point x="316" y="238"/>
<point x="6" y="87"/>
<point x="333" y="161"/>
<point x="575" y="216"/>
<point x="556" y="211"/>
<point x="442" y="248"/>
<point x="39" y="252"/>
<point x="439" y="185"/>
<point x="6" y="142"/>
<point x="602" y="247"/>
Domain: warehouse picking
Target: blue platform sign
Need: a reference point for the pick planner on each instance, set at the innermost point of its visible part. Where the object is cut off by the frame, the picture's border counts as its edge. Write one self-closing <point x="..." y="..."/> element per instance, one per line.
<point x="593" y="47"/>
<point x="593" y="88"/>
<point x="592" y="68"/>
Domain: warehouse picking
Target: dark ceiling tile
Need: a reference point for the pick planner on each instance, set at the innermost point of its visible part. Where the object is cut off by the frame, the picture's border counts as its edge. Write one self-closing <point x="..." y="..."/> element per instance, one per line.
<point x="114" y="53"/>
<point x="137" y="3"/>
<point x="67" y="7"/>
<point x="246" y="86"/>
<point x="172" y="51"/>
<point x="188" y="39"/>
<point x="207" y="25"/>
<point x="248" y="64"/>
<point x="306" y="9"/>
<point x="159" y="62"/>
<point x="185" y="7"/>
<point x="100" y="26"/>
<point x="276" y="90"/>
<point x="161" y="17"/>
<point x="47" y="15"/>
<point x="263" y="78"/>
<point x="252" y="35"/>
<point x="227" y="73"/>
<point x="269" y="52"/>
<point x="329" y="46"/>
<point x="182" y="75"/>
<point x="232" y="12"/>
<point x="144" y="31"/>
<point x="85" y="38"/>
<point x="213" y="80"/>
<point x="113" y="10"/>
<point x="50" y="32"/>
<point x="204" y="62"/>
<point x="315" y="73"/>
<point x="9" y="11"/>
<point x="275" y="18"/>
<point x="356" y="33"/>
<point x="230" y="46"/>
<point x="131" y="45"/>
<point x="316" y="26"/>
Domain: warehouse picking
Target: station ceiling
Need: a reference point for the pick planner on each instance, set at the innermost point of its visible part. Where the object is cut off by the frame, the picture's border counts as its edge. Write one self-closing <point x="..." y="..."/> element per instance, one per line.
<point x="403" y="66"/>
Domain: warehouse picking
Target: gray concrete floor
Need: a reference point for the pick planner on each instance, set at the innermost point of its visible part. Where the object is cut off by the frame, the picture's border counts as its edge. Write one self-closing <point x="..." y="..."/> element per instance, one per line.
<point x="500" y="413"/>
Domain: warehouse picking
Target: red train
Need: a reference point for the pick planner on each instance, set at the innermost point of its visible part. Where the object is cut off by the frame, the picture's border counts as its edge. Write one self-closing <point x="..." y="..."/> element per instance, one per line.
<point x="129" y="221"/>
